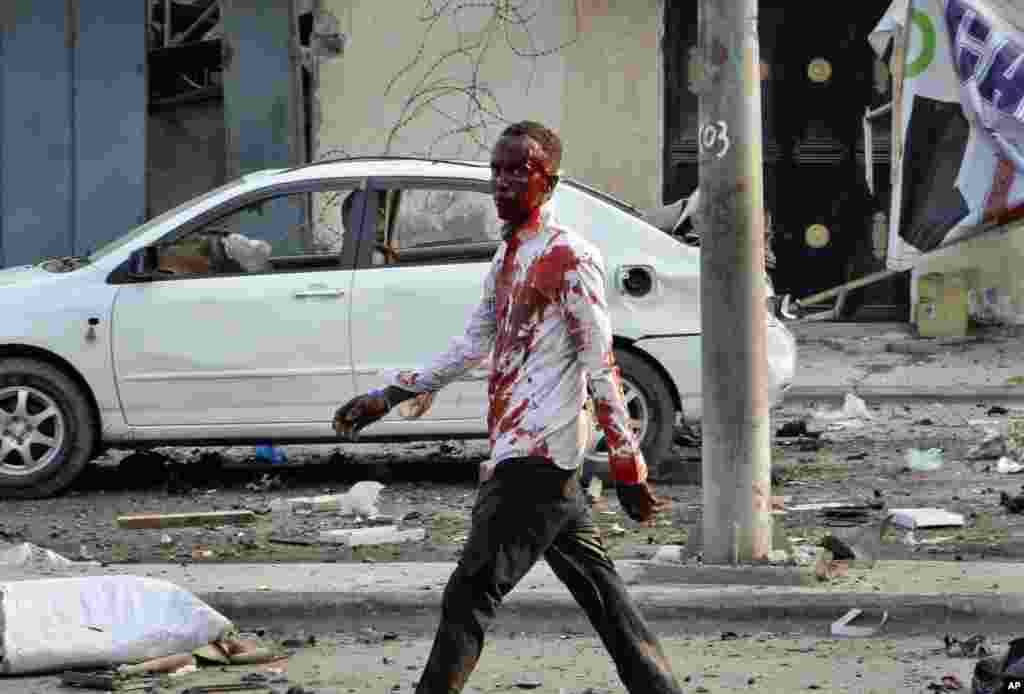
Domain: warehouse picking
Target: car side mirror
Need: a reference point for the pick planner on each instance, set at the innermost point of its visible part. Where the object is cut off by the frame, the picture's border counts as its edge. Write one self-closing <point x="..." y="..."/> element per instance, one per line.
<point x="142" y="263"/>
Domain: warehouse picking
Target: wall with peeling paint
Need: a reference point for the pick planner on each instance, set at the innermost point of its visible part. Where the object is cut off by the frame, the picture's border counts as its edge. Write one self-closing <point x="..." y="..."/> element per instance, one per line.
<point x="590" y="69"/>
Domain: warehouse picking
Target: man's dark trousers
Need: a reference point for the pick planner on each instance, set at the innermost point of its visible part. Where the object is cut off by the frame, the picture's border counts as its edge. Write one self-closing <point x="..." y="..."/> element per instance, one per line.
<point x="532" y="508"/>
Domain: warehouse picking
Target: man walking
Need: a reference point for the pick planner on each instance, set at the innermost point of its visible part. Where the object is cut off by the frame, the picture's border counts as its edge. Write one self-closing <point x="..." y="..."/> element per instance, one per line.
<point x="544" y="315"/>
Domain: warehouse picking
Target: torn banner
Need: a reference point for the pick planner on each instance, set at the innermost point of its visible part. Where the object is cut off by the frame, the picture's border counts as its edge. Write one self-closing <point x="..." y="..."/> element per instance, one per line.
<point x="958" y="135"/>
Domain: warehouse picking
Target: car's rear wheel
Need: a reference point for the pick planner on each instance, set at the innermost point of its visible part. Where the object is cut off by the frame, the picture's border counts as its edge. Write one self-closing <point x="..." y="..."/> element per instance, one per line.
<point x="47" y="431"/>
<point x="650" y="409"/>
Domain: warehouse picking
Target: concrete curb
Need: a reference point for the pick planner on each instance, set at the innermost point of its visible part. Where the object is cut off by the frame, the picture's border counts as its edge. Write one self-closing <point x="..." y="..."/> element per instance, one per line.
<point x="948" y="393"/>
<point x="663" y="605"/>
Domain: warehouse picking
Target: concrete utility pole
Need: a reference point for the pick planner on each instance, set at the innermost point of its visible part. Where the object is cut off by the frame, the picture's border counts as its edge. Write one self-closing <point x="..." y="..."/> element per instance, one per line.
<point x="736" y="449"/>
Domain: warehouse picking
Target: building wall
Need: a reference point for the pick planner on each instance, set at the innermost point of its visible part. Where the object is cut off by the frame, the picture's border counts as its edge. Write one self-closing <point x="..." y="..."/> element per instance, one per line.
<point x="590" y="69"/>
<point x="186" y="153"/>
<point x="72" y="126"/>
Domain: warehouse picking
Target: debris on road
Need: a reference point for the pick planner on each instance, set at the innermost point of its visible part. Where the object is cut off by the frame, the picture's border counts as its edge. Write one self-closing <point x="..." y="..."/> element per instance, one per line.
<point x="914" y="518"/>
<point x="141" y="521"/>
<point x="795" y="429"/>
<point x="121" y="619"/>
<point x="1012" y="504"/>
<point x="668" y="554"/>
<point x="380" y="535"/>
<point x="841" y="627"/>
<point x="976" y="646"/>
<point x="924" y="461"/>
<point x="530" y="681"/>
<point x="948" y="683"/>
<point x="997" y="410"/>
<point x="839" y="549"/>
<point x="266" y="483"/>
<point x="107" y="680"/>
<point x="163" y="664"/>
<point x="852" y="414"/>
<point x="826" y="568"/>
<point x="34" y="556"/>
<point x="1008" y="466"/>
<point x="360" y="500"/>
<point x="992" y="446"/>
<point x="271" y="454"/>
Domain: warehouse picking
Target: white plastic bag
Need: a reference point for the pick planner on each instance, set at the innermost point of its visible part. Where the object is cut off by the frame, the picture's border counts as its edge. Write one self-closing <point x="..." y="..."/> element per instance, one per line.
<point x="251" y="254"/>
<point x="98" y="621"/>
<point x="33" y="556"/>
<point x="780" y="347"/>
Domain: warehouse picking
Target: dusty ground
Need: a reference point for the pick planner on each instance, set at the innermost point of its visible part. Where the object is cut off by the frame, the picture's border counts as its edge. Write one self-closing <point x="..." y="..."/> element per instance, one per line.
<point x="573" y="663"/>
<point x="432" y="485"/>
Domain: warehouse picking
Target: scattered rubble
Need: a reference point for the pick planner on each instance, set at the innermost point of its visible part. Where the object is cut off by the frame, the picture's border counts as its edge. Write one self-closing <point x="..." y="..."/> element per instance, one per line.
<point x="186" y="520"/>
<point x="381" y="535"/>
<point x="1012" y="504"/>
<point x="924" y="461"/>
<point x="360" y="500"/>
<point x="129" y="619"/>
<point x="32" y="556"/>
<point x="1008" y="466"/>
<point x="853" y="413"/>
<point x="913" y="518"/>
<point x="976" y="646"/>
<point x="841" y="627"/>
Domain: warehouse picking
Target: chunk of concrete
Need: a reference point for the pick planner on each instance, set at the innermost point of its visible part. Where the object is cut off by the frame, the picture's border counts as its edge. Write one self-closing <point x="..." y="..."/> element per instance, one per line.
<point x="381" y="535"/>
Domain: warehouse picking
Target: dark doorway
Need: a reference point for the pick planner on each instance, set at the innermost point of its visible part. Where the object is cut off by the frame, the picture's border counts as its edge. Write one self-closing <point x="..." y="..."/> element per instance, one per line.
<point x="819" y="76"/>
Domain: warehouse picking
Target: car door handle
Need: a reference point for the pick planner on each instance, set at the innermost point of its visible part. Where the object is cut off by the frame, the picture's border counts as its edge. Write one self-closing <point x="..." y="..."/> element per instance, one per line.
<point x="323" y="293"/>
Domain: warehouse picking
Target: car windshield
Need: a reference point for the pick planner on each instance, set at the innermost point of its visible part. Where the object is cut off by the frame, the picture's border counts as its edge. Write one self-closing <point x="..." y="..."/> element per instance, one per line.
<point x="159" y="219"/>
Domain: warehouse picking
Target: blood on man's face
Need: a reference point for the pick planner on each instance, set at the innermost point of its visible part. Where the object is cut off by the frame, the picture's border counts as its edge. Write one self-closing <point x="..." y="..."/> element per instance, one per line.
<point x="519" y="174"/>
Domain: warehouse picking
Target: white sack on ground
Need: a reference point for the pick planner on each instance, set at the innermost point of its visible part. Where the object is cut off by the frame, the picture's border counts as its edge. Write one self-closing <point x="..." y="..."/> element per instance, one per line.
<point x="32" y="556"/>
<point x="97" y="621"/>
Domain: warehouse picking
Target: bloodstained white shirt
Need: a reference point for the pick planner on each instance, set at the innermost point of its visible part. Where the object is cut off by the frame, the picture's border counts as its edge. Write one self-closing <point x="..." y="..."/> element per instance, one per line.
<point x="544" y="316"/>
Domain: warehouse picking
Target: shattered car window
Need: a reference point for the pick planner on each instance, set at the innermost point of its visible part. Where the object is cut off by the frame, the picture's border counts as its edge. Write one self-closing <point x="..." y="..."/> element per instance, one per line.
<point x="435" y="217"/>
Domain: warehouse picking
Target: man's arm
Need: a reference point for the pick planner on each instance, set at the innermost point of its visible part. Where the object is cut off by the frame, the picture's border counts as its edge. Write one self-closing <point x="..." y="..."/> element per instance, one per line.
<point x="586" y="310"/>
<point x="463" y="354"/>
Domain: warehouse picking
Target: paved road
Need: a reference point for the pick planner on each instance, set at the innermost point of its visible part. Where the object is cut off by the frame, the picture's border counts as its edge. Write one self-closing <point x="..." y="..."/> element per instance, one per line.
<point x="571" y="662"/>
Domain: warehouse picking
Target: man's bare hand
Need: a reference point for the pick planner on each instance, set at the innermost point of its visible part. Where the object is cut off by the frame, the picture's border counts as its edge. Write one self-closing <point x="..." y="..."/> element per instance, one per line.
<point x="487" y="470"/>
<point x="639" y="502"/>
<point x="359" y="413"/>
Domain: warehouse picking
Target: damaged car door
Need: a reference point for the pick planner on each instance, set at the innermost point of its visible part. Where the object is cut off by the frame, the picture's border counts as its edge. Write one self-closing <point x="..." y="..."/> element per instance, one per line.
<point x="417" y="282"/>
<point x="244" y="320"/>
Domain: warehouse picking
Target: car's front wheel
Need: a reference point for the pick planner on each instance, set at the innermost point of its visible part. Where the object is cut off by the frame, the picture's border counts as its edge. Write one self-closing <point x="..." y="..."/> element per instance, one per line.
<point x="47" y="431"/>
<point x="650" y="409"/>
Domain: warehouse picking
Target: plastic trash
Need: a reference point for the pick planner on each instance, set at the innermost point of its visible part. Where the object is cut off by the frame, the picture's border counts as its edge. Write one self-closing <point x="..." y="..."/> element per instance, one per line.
<point x="993" y="445"/>
<point x="272" y="454"/>
<point x="99" y="621"/>
<point x="924" y="461"/>
<point x="360" y="500"/>
<point x="1008" y="466"/>
<point x="853" y="413"/>
<point x="780" y="348"/>
<point x="251" y="254"/>
<point x="841" y="627"/>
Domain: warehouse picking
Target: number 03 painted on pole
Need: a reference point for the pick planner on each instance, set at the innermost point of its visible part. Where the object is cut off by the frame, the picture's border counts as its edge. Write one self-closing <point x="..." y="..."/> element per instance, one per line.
<point x="715" y="135"/>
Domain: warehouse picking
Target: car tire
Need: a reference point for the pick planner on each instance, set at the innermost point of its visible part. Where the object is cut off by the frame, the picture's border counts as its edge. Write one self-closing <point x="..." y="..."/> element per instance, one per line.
<point x="41" y="405"/>
<point x="640" y="377"/>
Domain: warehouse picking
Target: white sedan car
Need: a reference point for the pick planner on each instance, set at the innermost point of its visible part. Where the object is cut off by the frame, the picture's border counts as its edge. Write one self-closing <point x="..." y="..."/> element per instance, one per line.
<point x="250" y="313"/>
